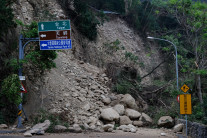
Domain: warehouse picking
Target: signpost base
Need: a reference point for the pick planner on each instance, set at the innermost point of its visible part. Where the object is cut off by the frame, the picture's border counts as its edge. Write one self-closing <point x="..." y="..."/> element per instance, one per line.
<point x="186" y="125"/>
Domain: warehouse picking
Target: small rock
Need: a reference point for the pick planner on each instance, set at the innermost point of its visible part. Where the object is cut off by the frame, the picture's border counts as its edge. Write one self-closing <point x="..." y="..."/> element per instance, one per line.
<point x="106" y="101"/>
<point x="40" y="132"/>
<point x="94" y="87"/>
<point x="132" y="114"/>
<point x="59" y="128"/>
<point x="75" y="94"/>
<point x="124" y="128"/>
<point x="110" y="130"/>
<point x="92" y="127"/>
<point x="110" y="122"/>
<point x="119" y="108"/>
<point x="178" y="128"/>
<point x="112" y="97"/>
<point x="86" y="126"/>
<point x="27" y="134"/>
<point x="128" y="128"/>
<point x="98" y="123"/>
<point x="67" y="105"/>
<point x="81" y="62"/>
<point x="86" y="107"/>
<point x="92" y="120"/>
<point x="138" y="123"/>
<point x="133" y="130"/>
<point x="107" y="126"/>
<point x="163" y="134"/>
<point x="76" y="128"/>
<point x="3" y="126"/>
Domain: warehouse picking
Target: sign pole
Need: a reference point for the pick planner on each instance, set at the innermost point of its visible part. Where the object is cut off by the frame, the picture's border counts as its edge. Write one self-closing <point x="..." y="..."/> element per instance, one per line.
<point x="186" y="125"/>
<point x="19" y="125"/>
<point x="21" y="56"/>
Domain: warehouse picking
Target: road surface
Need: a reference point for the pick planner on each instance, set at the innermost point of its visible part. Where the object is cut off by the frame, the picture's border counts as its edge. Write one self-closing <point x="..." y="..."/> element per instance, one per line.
<point x="141" y="133"/>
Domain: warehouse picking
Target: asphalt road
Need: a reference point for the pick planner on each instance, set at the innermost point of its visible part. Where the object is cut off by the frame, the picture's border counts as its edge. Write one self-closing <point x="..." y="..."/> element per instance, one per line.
<point x="142" y="133"/>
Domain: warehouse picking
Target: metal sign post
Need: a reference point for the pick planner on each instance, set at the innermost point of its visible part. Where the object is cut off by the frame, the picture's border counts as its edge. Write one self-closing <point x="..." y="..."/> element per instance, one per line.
<point x="21" y="57"/>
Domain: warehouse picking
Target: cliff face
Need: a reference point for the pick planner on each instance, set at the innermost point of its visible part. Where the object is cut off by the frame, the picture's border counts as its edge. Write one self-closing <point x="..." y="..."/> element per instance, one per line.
<point x="78" y="84"/>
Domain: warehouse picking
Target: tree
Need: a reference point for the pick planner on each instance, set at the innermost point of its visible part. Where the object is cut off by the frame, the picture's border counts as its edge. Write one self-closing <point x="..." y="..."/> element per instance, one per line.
<point x="6" y="15"/>
<point x="192" y="17"/>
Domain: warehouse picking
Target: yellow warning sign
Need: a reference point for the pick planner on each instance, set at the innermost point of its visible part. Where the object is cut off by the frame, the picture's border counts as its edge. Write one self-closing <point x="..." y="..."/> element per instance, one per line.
<point x="185" y="104"/>
<point x="20" y="113"/>
<point x="184" y="88"/>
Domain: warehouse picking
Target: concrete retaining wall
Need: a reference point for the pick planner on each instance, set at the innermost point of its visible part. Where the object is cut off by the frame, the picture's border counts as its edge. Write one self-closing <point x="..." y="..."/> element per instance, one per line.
<point x="195" y="130"/>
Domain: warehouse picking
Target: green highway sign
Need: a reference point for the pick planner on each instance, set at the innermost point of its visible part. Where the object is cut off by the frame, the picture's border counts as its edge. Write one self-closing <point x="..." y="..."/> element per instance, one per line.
<point x="54" y="25"/>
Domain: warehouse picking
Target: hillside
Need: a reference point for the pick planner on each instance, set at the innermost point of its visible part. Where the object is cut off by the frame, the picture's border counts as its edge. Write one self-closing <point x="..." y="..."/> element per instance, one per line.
<point x="112" y="78"/>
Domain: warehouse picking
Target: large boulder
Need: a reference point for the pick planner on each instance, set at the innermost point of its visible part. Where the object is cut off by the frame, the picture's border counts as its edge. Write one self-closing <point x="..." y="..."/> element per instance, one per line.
<point x="132" y="114"/>
<point x="178" y="128"/>
<point x="119" y="108"/>
<point x="129" y="102"/>
<point x="39" y="128"/>
<point x="145" y="119"/>
<point x="109" y="114"/>
<point x="165" y="121"/>
<point x="124" y="120"/>
<point x="42" y="126"/>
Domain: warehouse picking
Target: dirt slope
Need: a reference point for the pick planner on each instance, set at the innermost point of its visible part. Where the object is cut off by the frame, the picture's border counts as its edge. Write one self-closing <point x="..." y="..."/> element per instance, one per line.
<point x="78" y="85"/>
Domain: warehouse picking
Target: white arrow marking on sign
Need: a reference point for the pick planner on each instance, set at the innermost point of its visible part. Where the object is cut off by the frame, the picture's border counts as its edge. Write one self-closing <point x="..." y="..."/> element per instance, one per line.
<point x="43" y="35"/>
<point x="42" y="26"/>
<point x="43" y="45"/>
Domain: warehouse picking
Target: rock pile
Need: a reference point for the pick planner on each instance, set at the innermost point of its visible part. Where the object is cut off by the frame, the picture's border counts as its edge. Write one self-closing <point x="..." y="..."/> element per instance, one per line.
<point x="122" y="114"/>
<point x="81" y="94"/>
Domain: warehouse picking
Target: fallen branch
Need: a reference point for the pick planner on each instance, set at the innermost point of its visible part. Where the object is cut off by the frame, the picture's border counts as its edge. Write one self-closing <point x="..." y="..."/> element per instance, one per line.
<point x="165" y="85"/>
<point x="156" y="67"/>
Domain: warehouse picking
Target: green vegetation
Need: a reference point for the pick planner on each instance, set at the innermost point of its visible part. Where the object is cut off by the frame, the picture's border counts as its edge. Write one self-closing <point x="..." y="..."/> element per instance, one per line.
<point x="6" y="16"/>
<point x="86" y="21"/>
<point x="39" y="59"/>
<point x="183" y="22"/>
<point x="112" y="47"/>
<point x="108" y="5"/>
<point x="9" y="98"/>
<point x="128" y="81"/>
<point x="10" y="89"/>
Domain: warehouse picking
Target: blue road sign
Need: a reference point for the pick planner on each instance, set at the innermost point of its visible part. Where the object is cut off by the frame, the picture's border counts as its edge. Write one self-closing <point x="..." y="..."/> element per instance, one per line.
<point x="55" y="44"/>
